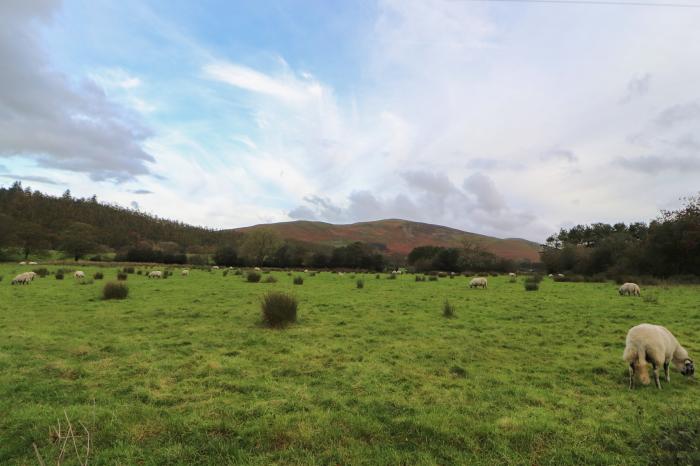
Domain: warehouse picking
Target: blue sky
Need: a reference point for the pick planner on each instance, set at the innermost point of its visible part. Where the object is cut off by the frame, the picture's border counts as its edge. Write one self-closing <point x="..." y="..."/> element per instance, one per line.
<point x="499" y="118"/>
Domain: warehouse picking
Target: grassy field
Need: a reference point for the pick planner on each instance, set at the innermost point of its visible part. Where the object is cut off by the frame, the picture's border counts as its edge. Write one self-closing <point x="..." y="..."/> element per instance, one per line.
<point x="182" y="372"/>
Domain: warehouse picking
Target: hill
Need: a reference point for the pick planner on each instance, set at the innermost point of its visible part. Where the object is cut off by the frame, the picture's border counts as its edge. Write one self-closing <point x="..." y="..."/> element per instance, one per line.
<point x="398" y="236"/>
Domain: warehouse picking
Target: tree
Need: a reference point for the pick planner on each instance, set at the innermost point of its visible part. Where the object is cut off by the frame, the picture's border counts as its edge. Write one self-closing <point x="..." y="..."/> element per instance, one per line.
<point x="226" y="256"/>
<point x="78" y="239"/>
<point x="259" y="245"/>
<point x="31" y="238"/>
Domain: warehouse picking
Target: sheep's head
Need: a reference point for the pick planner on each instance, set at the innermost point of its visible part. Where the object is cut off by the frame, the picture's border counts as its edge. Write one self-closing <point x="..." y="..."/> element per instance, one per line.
<point x="688" y="368"/>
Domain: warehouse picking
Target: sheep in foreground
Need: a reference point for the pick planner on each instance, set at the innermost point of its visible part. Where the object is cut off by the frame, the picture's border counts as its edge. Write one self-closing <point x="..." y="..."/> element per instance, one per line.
<point x="185" y="273"/>
<point x="629" y="289"/>
<point x="22" y="279"/>
<point x="155" y="274"/>
<point x="478" y="282"/>
<point x="647" y="343"/>
<point x="79" y="274"/>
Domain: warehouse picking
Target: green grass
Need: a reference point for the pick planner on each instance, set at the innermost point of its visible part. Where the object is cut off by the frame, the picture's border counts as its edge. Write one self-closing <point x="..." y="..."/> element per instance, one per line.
<point x="184" y="372"/>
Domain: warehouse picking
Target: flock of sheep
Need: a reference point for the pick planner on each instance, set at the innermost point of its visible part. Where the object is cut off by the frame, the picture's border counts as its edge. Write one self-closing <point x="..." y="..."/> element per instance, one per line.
<point x="645" y="343"/>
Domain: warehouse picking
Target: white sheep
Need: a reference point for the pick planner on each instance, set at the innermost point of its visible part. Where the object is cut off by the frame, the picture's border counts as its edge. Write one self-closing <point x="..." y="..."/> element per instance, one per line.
<point x="185" y="273"/>
<point x="478" y="282"/>
<point x="647" y="343"/>
<point x="560" y="275"/>
<point x="79" y="274"/>
<point x="512" y="275"/>
<point x="32" y="275"/>
<point x="155" y="274"/>
<point x="216" y="267"/>
<point x="257" y="269"/>
<point x="23" y="263"/>
<point x="629" y="289"/>
<point x="32" y="263"/>
<point x="22" y="279"/>
<point x="550" y="275"/>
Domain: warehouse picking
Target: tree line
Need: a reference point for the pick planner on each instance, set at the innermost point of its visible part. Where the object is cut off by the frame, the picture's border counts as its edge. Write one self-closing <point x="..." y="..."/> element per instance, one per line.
<point x="668" y="245"/>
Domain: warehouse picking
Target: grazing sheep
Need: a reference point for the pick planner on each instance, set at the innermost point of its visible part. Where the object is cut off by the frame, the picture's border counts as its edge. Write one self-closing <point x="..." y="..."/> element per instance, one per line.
<point x="478" y="282"/>
<point x="629" y="289"/>
<point x="79" y="274"/>
<point x="185" y="273"/>
<point x="257" y="269"/>
<point x="32" y="263"/>
<point x="32" y="275"/>
<point x="560" y="275"/>
<point x="155" y="274"/>
<point x="23" y="263"/>
<point x="216" y="267"/>
<point x="654" y="344"/>
<point x="22" y="279"/>
<point x="550" y="275"/>
<point x="511" y="274"/>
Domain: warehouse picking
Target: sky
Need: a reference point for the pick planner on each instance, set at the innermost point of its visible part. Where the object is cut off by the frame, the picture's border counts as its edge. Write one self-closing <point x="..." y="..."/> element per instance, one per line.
<point x="509" y="119"/>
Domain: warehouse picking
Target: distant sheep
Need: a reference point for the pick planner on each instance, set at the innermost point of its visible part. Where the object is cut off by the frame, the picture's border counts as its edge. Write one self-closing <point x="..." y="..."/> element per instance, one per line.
<point x="79" y="274"/>
<point x="23" y="263"/>
<point x="185" y="273"/>
<point x="560" y="275"/>
<point x="629" y="289"/>
<point x="257" y="269"/>
<point x="216" y="267"/>
<point x="550" y="275"/>
<point x="22" y="279"/>
<point x="654" y="344"/>
<point x="155" y="274"/>
<point x="512" y="275"/>
<point x="478" y="282"/>
<point x="32" y="263"/>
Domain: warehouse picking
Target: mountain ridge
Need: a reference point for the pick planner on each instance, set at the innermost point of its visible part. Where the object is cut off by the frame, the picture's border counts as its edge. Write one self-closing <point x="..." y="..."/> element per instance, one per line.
<point x="398" y="236"/>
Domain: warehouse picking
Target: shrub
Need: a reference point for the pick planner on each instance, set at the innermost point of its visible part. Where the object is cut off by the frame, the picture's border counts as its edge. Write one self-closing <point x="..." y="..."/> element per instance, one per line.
<point x="253" y="277"/>
<point x="224" y="273"/>
<point x="448" y="310"/>
<point x="139" y="272"/>
<point x="128" y="270"/>
<point x="531" y="285"/>
<point x="360" y="283"/>
<point x="279" y="309"/>
<point x="433" y="278"/>
<point x="98" y="276"/>
<point x="442" y="274"/>
<point x="298" y="280"/>
<point x="115" y="290"/>
<point x="420" y="278"/>
<point x="59" y="275"/>
<point x="122" y="276"/>
<point x="377" y="276"/>
<point x="270" y="279"/>
<point x="42" y="272"/>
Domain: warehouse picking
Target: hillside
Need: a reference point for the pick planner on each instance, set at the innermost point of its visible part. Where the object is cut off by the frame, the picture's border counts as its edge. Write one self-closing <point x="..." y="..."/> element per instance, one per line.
<point x="398" y="236"/>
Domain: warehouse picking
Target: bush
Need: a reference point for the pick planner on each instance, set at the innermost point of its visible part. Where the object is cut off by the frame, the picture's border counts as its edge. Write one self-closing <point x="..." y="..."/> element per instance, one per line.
<point x="98" y="276"/>
<point x="360" y="283"/>
<point x="253" y="277"/>
<point x="377" y="276"/>
<point x="270" y="279"/>
<point x="448" y="310"/>
<point x="531" y="285"/>
<point x="128" y="270"/>
<point x="224" y="273"/>
<point x="442" y="274"/>
<point x="122" y="276"/>
<point x="115" y="290"/>
<point x="238" y="272"/>
<point x="139" y="272"/>
<point x="433" y="278"/>
<point x="42" y="272"/>
<point x="298" y="280"/>
<point x="59" y="275"/>
<point x="420" y="278"/>
<point x="279" y="309"/>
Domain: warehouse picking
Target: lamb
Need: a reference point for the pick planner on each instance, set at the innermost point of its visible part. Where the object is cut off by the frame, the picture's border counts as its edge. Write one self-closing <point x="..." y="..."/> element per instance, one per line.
<point x="647" y="343"/>
<point x="185" y="273"/>
<point x="478" y="282"/>
<point x="22" y="279"/>
<point x="629" y="289"/>
<point x="155" y="274"/>
<point x="79" y="274"/>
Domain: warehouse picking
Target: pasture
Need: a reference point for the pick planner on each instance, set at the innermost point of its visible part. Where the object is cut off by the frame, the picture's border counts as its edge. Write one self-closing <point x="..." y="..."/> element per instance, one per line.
<point x="183" y="372"/>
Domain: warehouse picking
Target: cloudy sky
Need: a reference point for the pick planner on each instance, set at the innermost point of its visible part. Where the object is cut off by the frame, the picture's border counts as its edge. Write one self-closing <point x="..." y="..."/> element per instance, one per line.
<point x="503" y="118"/>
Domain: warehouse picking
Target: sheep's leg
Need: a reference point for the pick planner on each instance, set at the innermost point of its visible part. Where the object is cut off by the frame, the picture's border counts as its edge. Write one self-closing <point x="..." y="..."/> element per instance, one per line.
<point x="631" y="375"/>
<point x="656" y="375"/>
<point x="668" y="375"/>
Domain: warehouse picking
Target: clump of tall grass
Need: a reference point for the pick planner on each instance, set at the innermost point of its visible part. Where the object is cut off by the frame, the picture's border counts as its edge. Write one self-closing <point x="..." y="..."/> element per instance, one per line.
<point x="532" y="283"/>
<point x="279" y="309"/>
<point x="270" y="279"/>
<point x="121" y="276"/>
<point x="433" y="278"/>
<point x="360" y="283"/>
<point x="253" y="277"/>
<point x="42" y="272"/>
<point x="298" y="280"/>
<point x="59" y="275"/>
<point x="420" y="278"/>
<point x="115" y="290"/>
<point x="128" y="270"/>
<point x="98" y="276"/>
<point x="448" y="310"/>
